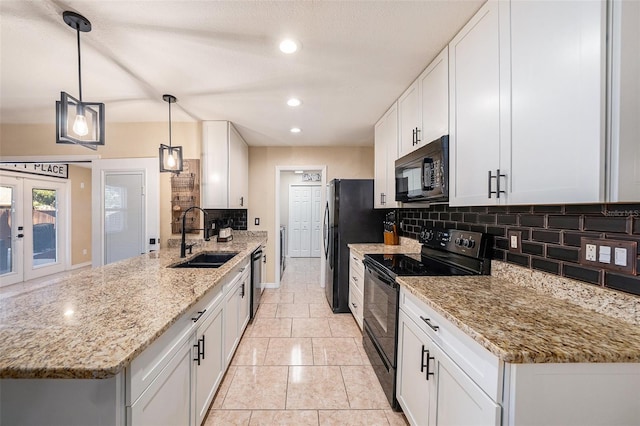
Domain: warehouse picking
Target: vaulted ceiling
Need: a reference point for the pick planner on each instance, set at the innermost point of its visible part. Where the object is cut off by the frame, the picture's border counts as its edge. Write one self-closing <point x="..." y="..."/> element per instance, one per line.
<point x="221" y="60"/>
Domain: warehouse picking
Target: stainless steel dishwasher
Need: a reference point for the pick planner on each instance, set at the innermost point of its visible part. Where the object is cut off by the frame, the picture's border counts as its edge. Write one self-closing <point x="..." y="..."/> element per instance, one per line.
<point x="256" y="280"/>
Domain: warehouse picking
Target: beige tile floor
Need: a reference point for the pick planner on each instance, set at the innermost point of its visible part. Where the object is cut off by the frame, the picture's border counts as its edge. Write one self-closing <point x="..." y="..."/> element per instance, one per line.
<point x="300" y="364"/>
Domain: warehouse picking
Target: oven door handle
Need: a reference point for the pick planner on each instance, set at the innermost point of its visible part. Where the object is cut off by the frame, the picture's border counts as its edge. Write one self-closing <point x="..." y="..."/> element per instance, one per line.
<point x="380" y="275"/>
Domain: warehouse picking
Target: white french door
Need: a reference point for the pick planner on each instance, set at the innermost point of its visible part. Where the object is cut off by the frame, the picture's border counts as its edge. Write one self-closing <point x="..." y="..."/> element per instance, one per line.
<point x="33" y="236"/>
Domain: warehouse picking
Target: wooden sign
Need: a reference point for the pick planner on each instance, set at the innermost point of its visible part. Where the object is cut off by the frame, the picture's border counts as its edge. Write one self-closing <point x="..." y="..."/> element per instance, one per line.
<point x="58" y="170"/>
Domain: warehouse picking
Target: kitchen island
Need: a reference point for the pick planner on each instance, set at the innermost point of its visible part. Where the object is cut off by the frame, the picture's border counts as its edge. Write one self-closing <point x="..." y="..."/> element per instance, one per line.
<point x="94" y="325"/>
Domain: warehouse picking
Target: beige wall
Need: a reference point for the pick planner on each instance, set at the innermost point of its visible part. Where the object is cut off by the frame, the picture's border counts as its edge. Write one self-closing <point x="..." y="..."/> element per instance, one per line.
<point x="342" y="162"/>
<point x="131" y="140"/>
<point x="80" y="179"/>
<point x="123" y="140"/>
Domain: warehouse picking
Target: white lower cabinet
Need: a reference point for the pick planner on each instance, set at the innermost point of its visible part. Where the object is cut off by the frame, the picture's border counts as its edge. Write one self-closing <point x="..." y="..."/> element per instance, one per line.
<point x="446" y="378"/>
<point x="458" y="400"/>
<point x="167" y="400"/>
<point x="236" y="313"/>
<point x="211" y="367"/>
<point x="414" y="387"/>
<point x="356" y="287"/>
<point x="174" y="380"/>
<point x="432" y="389"/>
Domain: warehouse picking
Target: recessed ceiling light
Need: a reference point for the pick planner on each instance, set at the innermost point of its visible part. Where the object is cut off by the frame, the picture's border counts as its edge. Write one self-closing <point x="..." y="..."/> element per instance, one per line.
<point x="295" y="130"/>
<point x="294" y="102"/>
<point x="288" y="46"/>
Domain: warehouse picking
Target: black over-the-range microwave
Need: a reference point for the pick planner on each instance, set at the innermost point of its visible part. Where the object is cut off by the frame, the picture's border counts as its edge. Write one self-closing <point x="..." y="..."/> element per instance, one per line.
<point x="423" y="175"/>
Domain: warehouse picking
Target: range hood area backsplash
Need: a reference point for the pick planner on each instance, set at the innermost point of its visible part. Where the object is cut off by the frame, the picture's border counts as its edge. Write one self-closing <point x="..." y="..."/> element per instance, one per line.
<point x="550" y="234"/>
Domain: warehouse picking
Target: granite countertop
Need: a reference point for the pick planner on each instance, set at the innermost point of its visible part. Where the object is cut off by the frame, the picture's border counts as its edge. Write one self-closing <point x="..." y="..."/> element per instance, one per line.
<point x="93" y="323"/>
<point x="407" y="246"/>
<point x="517" y="323"/>
<point x="520" y="325"/>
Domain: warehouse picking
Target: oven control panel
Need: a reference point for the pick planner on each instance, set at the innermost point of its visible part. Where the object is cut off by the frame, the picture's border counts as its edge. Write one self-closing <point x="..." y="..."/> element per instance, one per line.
<point x="468" y="243"/>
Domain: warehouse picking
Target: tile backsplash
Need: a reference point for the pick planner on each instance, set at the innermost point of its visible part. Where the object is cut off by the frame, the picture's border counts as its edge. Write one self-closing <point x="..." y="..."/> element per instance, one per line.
<point x="550" y="234"/>
<point x="239" y="217"/>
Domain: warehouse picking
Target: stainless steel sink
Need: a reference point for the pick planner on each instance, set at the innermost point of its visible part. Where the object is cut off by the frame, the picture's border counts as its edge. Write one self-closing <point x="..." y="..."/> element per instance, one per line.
<point x="207" y="260"/>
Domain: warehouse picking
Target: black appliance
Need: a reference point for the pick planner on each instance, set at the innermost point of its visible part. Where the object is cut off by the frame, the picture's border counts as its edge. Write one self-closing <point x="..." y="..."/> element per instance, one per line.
<point x="257" y="258"/>
<point x="349" y="217"/>
<point x="444" y="252"/>
<point x="423" y="175"/>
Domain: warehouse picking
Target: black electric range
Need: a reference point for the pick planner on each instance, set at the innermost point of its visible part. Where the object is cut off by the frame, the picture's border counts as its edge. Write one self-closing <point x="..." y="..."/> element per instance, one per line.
<point x="445" y="252"/>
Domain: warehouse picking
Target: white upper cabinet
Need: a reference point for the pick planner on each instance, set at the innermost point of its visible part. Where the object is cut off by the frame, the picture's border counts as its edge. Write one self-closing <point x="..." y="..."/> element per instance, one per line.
<point x="527" y="105"/>
<point x="225" y="166"/>
<point x="423" y="109"/>
<point x="238" y="170"/>
<point x="409" y="128"/>
<point x="434" y="98"/>
<point x="624" y="120"/>
<point x="557" y="57"/>
<point x="475" y="134"/>
<point x="386" y="153"/>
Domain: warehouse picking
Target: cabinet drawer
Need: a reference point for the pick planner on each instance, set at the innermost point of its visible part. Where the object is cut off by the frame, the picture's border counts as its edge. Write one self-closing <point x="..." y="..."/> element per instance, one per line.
<point x="146" y="366"/>
<point x="356" y="272"/>
<point x="355" y="304"/>
<point x="483" y="367"/>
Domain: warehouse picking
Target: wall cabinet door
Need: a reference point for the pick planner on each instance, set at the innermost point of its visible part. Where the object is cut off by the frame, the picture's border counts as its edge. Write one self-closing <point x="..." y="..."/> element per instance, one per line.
<point x="475" y="97"/>
<point x="459" y="401"/>
<point x="409" y="126"/>
<point x="238" y="170"/>
<point x="167" y="401"/>
<point x="386" y="153"/>
<point x="209" y="372"/>
<point x="434" y="98"/>
<point x="225" y="166"/>
<point x="413" y="386"/>
<point x="557" y="57"/>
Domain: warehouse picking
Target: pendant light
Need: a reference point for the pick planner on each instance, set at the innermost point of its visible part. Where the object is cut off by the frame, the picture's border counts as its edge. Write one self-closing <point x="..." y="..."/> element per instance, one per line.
<point x="170" y="156"/>
<point x="77" y="121"/>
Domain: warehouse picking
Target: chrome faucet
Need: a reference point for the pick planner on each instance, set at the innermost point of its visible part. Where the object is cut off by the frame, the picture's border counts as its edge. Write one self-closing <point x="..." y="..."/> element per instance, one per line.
<point x="183" y="245"/>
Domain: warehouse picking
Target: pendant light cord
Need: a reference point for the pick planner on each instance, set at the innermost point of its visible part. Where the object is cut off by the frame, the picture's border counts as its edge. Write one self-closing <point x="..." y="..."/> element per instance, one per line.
<point x="169" y="123"/>
<point x="79" y="63"/>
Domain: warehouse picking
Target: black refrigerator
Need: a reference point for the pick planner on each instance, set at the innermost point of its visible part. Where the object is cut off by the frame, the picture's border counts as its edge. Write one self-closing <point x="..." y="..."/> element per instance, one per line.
<point x="349" y="217"/>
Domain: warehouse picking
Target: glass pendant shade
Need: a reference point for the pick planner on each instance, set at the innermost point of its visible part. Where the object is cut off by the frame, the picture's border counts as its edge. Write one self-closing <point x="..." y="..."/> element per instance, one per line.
<point x="78" y="122"/>
<point x="170" y="158"/>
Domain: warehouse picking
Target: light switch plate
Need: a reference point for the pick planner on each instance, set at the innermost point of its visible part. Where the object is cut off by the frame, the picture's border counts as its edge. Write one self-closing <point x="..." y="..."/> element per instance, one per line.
<point x="605" y="254"/>
<point x="620" y="258"/>
<point x="514" y="241"/>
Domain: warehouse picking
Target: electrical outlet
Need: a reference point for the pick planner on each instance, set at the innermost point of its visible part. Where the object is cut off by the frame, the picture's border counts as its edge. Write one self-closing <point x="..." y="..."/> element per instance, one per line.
<point x="84" y="252"/>
<point x="605" y="254"/>
<point x="590" y="254"/>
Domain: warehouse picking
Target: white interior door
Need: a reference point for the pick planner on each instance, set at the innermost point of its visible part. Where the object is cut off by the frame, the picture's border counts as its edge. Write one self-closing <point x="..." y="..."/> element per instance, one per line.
<point x="33" y="228"/>
<point x="316" y="221"/>
<point x="305" y="209"/>
<point x="124" y="215"/>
